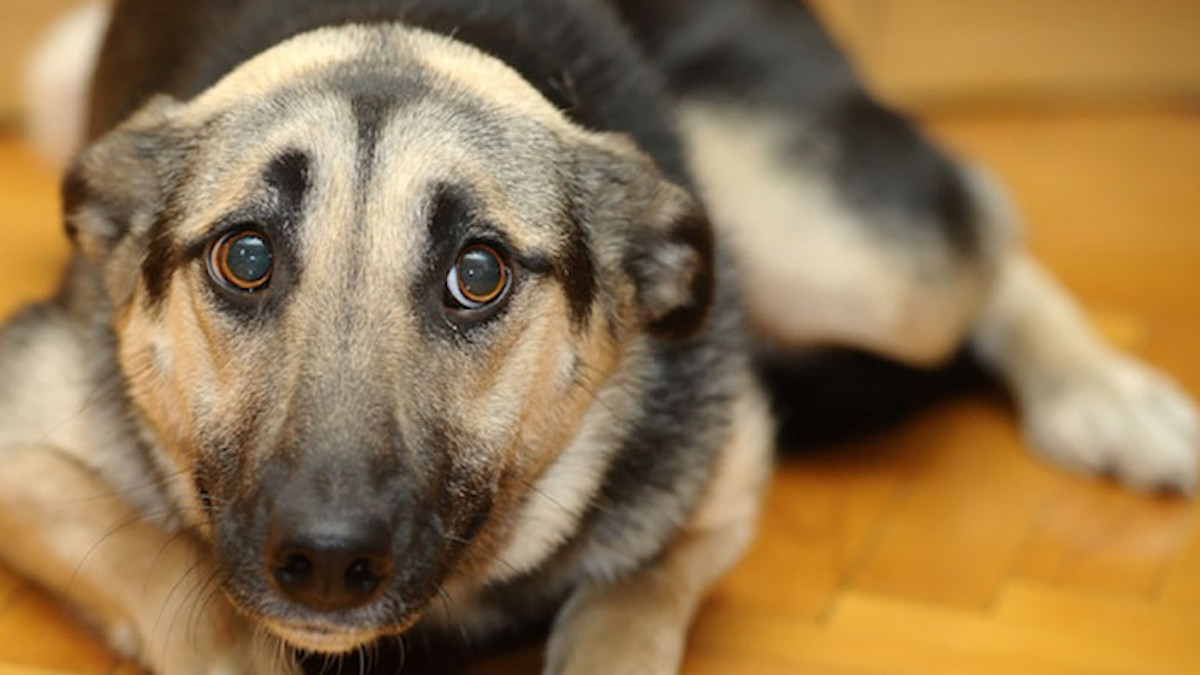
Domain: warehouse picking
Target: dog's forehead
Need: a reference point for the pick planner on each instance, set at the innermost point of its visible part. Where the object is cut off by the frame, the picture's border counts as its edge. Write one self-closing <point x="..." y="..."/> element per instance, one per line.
<point x="418" y="58"/>
<point x="381" y="115"/>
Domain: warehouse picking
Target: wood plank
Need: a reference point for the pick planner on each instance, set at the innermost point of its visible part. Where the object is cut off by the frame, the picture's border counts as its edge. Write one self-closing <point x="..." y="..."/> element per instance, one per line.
<point x="1175" y="347"/>
<point x="13" y="669"/>
<point x="1111" y="201"/>
<point x="35" y="631"/>
<point x="966" y="514"/>
<point x="34" y="246"/>
<point x="1104" y="538"/>
<point x="9" y="583"/>
<point x="1130" y="634"/>
<point x="870" y="634"/>
<point x="1181" y="584"/>
<point x="819" y="514"/>
<point x="931" y="52"/>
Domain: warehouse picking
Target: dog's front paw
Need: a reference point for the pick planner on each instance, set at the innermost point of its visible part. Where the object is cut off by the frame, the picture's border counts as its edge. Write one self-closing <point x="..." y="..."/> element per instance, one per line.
<point x="623" y="656"/>
<point x="1118" y="417"/>
<point x="614" y="639"/>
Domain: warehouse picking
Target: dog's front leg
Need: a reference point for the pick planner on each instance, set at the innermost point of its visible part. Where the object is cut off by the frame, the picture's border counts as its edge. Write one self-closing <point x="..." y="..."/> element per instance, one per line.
<point x="152" y="592"/>
<point x="638" y="624"/>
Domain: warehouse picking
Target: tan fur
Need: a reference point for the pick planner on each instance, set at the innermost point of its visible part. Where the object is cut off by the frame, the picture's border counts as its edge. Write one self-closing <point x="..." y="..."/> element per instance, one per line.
<point x="196" y="373"/>
<point x="143" y="587"/>
<point x="564" y="491"/>
<point x="461" y="65"/>
<point x="639" y="624"/>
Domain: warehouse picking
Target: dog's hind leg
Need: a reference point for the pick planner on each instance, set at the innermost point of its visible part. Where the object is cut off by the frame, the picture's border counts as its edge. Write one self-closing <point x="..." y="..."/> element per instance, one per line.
<point x="152" y="593"/>
<point x="851" y="229"/>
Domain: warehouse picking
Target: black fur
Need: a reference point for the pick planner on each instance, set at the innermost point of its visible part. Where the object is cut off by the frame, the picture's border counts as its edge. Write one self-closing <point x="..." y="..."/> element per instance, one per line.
<point x="767" y="54"/>
<point x="574" y="51"/>
<point x="772" y="56"/>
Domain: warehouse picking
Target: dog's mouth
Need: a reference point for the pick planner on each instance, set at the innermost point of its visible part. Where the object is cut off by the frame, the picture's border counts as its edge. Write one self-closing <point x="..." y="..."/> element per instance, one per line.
<point x="315" y="635"/>
<point x="320" y="639"/>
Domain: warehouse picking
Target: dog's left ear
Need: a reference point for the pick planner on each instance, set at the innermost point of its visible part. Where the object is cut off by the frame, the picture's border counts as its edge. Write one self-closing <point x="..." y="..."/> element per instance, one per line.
<point x="659" y="231"/>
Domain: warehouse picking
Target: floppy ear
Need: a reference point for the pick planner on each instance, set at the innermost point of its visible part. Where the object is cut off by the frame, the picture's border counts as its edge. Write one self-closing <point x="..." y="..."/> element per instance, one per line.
<point x="661" y="233"/>
<point x="114" y="190"/>
<point x="114" y="187"/>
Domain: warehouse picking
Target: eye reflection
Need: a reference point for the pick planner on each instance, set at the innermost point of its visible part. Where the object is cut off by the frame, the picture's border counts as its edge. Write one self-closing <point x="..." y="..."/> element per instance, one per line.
<point x="242" y="260"/>
<point x="479" y="277"/>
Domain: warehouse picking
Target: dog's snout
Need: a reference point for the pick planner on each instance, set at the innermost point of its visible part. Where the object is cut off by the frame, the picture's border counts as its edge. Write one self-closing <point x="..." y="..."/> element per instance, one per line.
<point x="330" y="563"/>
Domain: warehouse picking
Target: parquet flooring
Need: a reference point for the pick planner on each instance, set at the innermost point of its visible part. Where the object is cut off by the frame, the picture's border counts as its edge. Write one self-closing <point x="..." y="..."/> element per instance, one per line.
<point x="940" y="547"/>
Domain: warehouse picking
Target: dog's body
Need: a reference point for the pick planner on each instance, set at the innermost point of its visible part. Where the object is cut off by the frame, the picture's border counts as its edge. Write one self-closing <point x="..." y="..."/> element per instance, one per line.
<point x="586" y="447"/>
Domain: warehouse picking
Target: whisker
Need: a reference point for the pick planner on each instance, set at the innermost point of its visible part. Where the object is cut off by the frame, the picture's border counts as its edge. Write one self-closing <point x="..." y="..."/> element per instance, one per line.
<point x="166" y="636"/>
<point x="112" y="531"/>
<point x="158" y="556"/>
<point x="114" y="494"/>
<point x="108" y="385"/>
<point x="448" y="608"/>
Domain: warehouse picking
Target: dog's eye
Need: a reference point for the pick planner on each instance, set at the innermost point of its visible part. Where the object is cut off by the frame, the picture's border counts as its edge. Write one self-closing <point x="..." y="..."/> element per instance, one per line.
<point x="242" y="260"/>
<point x="479" y="277"/>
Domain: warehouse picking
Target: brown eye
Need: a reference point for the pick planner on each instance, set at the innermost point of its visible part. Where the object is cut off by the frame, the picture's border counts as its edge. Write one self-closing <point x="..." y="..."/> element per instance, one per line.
<point x="242" y="260"/>
<point x="479" y="277"/>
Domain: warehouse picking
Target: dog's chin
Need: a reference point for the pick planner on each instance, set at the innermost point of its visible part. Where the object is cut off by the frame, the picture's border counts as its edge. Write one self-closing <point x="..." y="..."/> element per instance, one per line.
<point x="321" y="640"/>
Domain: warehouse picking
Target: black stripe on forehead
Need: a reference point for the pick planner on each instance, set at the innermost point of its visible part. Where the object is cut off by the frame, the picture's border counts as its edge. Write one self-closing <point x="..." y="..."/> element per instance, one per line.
<point x="371" y="111"/>
<point x="375" y="96"/>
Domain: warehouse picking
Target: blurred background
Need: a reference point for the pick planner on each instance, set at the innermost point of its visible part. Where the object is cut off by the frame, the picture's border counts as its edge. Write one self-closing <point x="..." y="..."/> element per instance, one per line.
<point x="942" y="546"/>
<point x="929" y="53"/>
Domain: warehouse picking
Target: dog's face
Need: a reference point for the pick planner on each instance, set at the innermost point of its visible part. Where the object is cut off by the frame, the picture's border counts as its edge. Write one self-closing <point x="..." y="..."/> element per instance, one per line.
<point x="364" y="291"/>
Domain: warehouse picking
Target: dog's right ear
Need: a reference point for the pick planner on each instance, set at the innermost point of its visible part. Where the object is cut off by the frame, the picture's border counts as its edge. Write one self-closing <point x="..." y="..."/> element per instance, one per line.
<point x="115" y="188"/>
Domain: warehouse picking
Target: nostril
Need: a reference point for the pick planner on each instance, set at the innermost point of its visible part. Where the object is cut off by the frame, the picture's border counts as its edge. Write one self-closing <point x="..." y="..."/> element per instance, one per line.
<point x="297" y="565"/>
<point x="294" y="570"/>
<point x="360" y="577"/>
<point x="330" y="564"/>
<point x="330" y="579"/>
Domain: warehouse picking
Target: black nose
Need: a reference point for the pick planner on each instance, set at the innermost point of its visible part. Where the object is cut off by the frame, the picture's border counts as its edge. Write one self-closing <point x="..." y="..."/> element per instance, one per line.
<point x="330" y="563"/>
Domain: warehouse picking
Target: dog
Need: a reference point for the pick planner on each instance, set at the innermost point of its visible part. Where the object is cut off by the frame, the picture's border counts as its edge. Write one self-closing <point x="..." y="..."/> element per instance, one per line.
<point x="449" y="319"/>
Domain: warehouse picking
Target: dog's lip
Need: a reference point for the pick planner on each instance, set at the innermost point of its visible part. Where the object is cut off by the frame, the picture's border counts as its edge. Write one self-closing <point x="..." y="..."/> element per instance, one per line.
<point x="322" y="639"/>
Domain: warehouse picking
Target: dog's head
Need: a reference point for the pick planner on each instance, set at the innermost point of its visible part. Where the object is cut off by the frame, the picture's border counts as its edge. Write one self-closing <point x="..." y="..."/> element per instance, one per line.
<point x="365" y="289"/>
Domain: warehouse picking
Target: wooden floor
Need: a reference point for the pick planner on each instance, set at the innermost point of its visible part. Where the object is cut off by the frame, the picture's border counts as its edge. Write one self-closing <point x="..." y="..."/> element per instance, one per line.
<point x="942" y="547"/>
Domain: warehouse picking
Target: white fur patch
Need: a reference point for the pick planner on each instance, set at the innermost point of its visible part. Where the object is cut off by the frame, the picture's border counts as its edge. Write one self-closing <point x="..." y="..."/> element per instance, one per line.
<point x="812" y="271"/>
<point x="1084" y="405"/>
<point x="562" y="495"/>
<point x="58" y="80"/>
